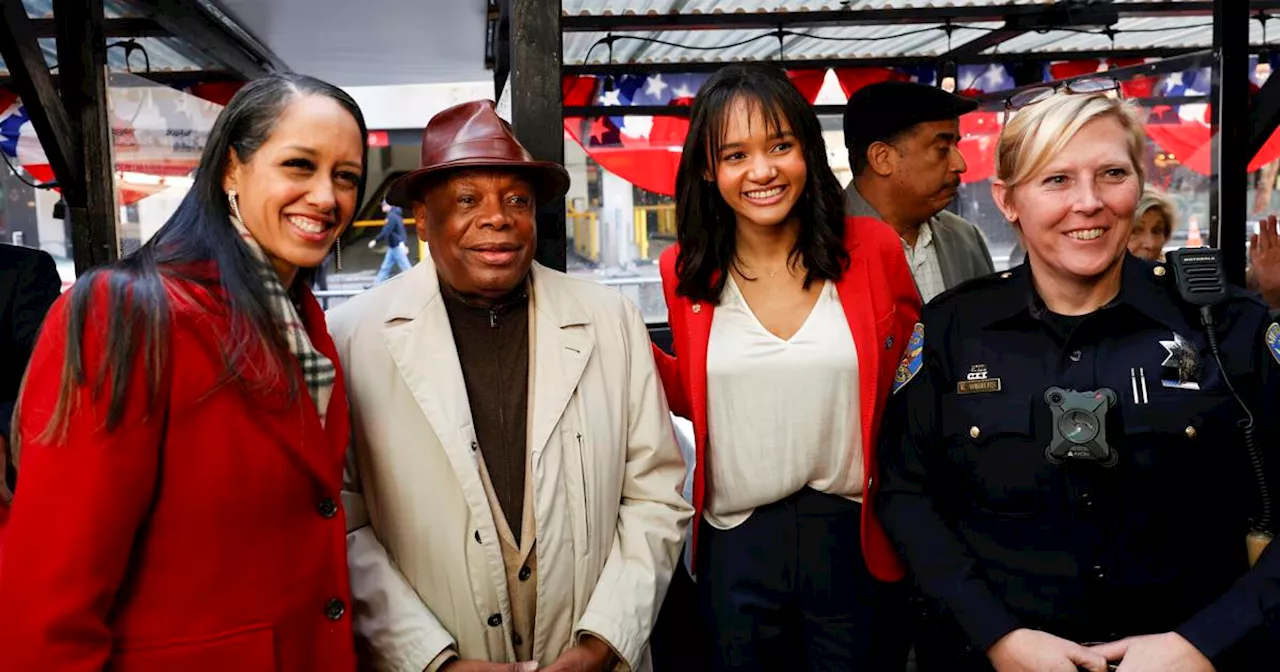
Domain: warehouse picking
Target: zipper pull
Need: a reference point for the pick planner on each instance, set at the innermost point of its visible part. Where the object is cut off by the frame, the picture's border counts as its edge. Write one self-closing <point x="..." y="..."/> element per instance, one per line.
<point x="493" y="319"/>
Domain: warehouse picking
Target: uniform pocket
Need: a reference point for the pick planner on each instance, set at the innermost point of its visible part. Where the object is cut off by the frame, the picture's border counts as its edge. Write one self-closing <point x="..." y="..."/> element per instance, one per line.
<point x="991" y="445"/>
<point x="250" y="649"/>
<point x="1175" y="445"/>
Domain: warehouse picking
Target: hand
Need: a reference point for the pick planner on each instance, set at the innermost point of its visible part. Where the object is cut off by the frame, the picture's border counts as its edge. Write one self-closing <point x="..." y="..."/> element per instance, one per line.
<point x="373" y="243"/>
<point x="590" y="655"/>
<point x="1027" y="650"/>
<point x="1168" y="652"/>
<point x="456" y="665"/>
<point x="1264" y="257"/>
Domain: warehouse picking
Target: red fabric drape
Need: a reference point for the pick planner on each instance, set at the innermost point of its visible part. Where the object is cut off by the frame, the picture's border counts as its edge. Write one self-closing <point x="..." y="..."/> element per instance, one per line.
<point x="852" y="79"/>
<point x="808" y="82"/>
<point x="647" y="163"/>
<point x="215" y="92"/>
<point x="6" y="98"/>
<point x="1189" y="142"/>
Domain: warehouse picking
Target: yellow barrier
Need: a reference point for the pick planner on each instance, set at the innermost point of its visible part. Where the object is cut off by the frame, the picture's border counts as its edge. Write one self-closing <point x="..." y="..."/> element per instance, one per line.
<point x="666" y="225"/>
<point x="586" y="233"/>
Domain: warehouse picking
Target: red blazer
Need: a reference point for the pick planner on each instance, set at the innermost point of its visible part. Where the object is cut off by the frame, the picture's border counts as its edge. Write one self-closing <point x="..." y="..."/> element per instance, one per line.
<point x="882" y="305"/>
<point x="214" y="541"/>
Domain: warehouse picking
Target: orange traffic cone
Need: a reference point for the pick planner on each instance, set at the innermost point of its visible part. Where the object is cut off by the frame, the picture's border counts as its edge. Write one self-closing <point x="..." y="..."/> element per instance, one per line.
<point x="1193" y="234"/>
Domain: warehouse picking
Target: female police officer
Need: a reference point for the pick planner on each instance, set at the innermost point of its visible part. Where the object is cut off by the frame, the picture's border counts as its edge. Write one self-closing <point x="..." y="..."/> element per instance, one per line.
<point x="1061" y="458"/>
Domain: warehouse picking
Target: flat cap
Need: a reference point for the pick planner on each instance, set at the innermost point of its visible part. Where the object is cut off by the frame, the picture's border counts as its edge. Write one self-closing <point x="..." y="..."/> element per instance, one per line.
<point x="880" y="111"/>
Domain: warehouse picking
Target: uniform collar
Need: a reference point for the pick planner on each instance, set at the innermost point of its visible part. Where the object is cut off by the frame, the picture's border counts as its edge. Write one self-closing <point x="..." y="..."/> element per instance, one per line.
<point x="1144" y="287"/>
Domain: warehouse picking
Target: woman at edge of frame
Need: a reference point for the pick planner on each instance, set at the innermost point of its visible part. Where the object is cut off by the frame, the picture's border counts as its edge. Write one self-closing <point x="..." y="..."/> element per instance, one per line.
<point x="1050" y="565"/>
<point x="184" y="423"/>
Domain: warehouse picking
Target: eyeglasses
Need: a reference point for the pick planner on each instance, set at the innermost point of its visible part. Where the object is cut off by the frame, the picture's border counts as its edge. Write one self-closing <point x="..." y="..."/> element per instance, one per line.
<point x="1038" y="94"/>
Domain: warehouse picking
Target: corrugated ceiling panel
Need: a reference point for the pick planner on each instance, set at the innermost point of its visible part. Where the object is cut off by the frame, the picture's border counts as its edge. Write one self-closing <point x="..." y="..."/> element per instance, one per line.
<point x="167" y="54"/>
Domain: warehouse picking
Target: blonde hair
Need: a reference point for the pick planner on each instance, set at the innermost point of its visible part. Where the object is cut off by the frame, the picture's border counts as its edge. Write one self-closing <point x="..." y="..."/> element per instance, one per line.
<point x="1154" y="198"/>
<point x="1039" y="131"/>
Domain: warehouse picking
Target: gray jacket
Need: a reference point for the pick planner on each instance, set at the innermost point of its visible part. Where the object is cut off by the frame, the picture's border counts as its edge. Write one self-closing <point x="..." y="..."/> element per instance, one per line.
<point x="962" y="251"/>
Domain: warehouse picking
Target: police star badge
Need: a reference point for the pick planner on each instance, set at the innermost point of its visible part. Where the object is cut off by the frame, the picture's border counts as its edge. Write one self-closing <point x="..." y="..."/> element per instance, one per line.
<point x="912" y="359"/>
<point x="1181" y="368"/>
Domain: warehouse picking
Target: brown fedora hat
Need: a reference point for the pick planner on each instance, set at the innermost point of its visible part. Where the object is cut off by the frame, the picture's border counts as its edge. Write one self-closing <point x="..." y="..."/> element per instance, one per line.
<point x="472" y="135"/>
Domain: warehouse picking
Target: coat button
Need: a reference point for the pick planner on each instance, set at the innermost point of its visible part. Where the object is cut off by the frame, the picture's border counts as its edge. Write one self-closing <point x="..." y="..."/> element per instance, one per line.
<point x="1076" y="355"/>
<point x="1191" y="432"/>
<point x="1099" y="573"/>
<point x="1086" y="502"/>
<point x="327" y="507"/>
<point x="1159" y="271"/>
<point x="1006" y="275"/>
<point x="495" y="620"/>
<point x="478" y="537"/>
<point x="475" y="446"/>
<point x="697" y="308"/>
<point x="517" y="639"/>
<point x="525" y="573"/>
<point x="974" y="432"/>
<point x="888" y="343"/>
<point x="334" y="609"/>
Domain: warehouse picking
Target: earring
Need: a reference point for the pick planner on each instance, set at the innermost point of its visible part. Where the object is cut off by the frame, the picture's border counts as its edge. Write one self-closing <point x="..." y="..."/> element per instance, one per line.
<point x="337" y="257"/>
<point x="235" y="207"/>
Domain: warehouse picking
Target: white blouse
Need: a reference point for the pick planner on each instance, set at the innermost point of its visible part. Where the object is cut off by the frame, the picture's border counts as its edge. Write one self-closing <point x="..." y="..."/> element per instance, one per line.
<point x="781" y="414"/>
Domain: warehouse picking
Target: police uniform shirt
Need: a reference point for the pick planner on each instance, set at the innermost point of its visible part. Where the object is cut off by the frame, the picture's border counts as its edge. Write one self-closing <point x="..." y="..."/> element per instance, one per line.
<point x="1002" y="539"/>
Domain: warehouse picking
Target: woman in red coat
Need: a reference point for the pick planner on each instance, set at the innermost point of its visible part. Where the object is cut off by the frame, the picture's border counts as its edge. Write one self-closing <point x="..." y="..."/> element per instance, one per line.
<point x="788" y="322"/>
<point x="183" y="424"/>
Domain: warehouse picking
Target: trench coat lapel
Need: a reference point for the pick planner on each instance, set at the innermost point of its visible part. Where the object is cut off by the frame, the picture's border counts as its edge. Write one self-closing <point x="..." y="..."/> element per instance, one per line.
<point x="416" y="331"/>
<point x="562" y="347"/>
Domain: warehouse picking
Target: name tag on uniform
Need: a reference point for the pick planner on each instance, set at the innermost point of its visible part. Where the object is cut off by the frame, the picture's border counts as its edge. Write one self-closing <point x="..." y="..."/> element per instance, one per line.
<point x="978" y="381"/>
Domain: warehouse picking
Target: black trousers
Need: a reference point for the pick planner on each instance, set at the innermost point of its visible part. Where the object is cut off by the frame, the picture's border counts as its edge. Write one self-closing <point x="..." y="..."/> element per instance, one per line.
<point x="788" y="590"/>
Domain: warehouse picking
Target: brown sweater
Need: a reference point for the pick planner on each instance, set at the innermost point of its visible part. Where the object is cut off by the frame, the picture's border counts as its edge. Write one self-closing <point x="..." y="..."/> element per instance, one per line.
<point x="493" y="349"/>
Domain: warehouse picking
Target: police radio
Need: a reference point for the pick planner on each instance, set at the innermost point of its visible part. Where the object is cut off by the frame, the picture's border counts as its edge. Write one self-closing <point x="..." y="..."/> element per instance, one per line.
<point x="1201" y="281"/>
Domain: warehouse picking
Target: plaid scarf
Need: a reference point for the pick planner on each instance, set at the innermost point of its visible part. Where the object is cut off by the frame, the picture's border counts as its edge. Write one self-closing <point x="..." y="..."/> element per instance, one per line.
<point x="317" y="370"/>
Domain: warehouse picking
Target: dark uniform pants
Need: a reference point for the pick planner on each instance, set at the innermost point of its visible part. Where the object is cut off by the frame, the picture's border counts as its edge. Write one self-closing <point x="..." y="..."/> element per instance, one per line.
<point x="788" y="590"/>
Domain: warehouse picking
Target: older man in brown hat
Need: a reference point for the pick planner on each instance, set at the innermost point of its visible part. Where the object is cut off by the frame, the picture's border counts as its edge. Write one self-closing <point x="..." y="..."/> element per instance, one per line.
<point x="514" y="493"/>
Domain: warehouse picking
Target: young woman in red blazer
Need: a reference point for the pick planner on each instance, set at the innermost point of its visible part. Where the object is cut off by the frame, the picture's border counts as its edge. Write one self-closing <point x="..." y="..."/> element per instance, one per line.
<point x="183" y="423"/>
<point x="788" y="322"/>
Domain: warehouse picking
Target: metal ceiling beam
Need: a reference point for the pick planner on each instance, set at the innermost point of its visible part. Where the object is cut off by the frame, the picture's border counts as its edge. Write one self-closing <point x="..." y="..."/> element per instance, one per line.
<point x="168" y="77"/>
<point x="31" y="81"/>
<point x="863" y="17"/>
<point x="820" y="110"/>
<point x="880" y="61"/>
<point x="113" y="28"/>
<point x="82" y="61"/>
<point x="213" y="34"/>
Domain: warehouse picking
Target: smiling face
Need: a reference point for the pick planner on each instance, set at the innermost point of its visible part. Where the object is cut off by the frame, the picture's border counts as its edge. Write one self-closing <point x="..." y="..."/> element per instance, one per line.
<point x="759" y="168"/>
<point x="480" y="230"/>
<point x="298" y="190"/>
<point x="1076" y="212"/>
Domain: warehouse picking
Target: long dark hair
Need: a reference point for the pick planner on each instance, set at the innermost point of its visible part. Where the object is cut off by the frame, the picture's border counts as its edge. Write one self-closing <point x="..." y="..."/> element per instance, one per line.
<point x="200" y="231"/>
<point x="707" y="225"/>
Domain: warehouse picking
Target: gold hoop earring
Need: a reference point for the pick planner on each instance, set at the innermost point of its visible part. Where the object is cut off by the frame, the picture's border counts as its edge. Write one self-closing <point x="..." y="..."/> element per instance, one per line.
<point x="235" y="206"/>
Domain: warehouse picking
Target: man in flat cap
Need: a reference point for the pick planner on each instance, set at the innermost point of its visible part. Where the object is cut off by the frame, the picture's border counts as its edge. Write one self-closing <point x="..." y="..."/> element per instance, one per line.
<point x="514" y="493"/>
<point x="903" y="142"/>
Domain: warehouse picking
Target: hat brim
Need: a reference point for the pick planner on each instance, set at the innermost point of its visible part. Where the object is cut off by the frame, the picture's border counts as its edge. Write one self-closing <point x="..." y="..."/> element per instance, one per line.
<point x="550" y="180"/>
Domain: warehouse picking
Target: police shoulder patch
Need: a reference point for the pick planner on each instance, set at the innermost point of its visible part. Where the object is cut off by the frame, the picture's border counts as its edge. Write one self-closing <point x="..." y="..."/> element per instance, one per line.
<point x="912" y="359"/>
<point x="1273" y="341"/>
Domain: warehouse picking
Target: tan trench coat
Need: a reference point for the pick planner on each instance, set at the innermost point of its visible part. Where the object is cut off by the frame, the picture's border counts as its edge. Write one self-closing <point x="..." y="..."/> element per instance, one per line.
<point x="424" y="553"/>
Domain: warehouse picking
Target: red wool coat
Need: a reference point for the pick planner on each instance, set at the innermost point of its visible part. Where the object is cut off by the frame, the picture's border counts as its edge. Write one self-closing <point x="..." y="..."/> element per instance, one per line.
<point x="882" y="305"/>
<point x="210" y="541"/>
